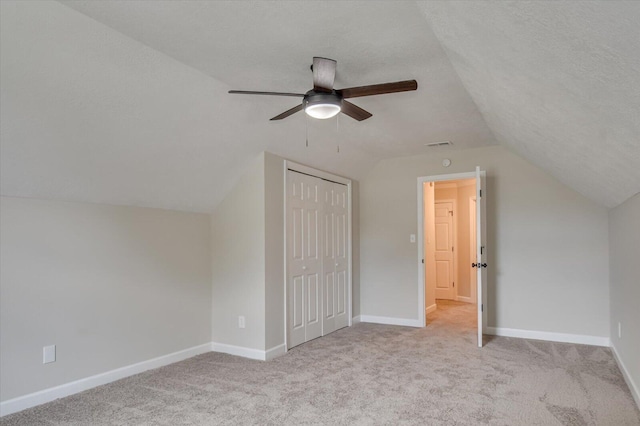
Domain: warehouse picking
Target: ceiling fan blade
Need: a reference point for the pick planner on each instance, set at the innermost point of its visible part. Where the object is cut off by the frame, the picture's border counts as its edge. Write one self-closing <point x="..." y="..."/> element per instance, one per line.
<point x="378" y="89"/>
<point x="354" y="111"/>
<point x="288" y="112"/>
<point x="250" y="92"/>
<point x="324" y="73"/>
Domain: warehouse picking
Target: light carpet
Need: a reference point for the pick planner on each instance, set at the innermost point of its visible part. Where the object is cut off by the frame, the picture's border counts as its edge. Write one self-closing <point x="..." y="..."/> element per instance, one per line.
<point x="369" y="374"/>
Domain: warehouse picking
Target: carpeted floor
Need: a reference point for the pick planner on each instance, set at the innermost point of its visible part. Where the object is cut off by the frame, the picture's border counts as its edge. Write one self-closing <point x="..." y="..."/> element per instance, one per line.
<point x="369" y="375"/>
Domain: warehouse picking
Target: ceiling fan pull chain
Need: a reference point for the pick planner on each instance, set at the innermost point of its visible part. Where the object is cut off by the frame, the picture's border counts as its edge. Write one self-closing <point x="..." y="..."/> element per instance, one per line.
<point x="306" y="122"/>
<point x="338" y="131"/>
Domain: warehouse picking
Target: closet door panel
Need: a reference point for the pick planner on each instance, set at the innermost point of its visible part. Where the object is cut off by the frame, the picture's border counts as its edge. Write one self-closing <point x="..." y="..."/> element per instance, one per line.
<point x="304" y="265"/>
<point x="341" y="260"/>
<point x="328" y="259"/>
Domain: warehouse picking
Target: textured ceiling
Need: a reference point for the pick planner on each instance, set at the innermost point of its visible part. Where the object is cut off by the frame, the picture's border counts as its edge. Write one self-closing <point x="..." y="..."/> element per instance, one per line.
<point x="558" y="82"/>
<point x="124" y="102"/>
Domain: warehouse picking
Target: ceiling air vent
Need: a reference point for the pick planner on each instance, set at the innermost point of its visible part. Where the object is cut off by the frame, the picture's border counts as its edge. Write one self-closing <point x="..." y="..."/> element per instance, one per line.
<point x="438" y="144"/>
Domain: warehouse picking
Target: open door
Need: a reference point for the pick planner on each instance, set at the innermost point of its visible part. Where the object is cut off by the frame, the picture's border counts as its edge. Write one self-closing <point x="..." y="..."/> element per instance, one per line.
<point x="480" y="263"/>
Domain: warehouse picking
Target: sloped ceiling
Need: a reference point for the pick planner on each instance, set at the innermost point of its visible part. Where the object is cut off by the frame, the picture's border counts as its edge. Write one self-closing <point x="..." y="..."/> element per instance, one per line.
<point x="124" y="102"/>
<point x="558" y="82"/>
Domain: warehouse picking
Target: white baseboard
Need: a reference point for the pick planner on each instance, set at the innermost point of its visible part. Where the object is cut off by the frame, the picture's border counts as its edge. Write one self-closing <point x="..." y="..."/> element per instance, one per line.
<point x="239" y="351"/>
<point x="635" y="392"/>
<point x="390" y="321"/>
<point x="275" y="352"/>
<point x="431" y="308"/>
<point x="464" y="299"/>
<point x="355" y="320"/>
<point x="552" y="337"/>
<point x="47" y="395"/>
<point x="250" y="353"/>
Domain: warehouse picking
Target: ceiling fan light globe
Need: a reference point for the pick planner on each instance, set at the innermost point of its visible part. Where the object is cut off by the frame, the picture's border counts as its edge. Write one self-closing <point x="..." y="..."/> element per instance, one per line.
<point x="322" y="111"/>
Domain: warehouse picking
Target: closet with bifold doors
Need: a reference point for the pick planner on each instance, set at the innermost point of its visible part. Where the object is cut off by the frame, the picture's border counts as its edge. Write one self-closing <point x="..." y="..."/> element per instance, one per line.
<point x="318" y="258"/>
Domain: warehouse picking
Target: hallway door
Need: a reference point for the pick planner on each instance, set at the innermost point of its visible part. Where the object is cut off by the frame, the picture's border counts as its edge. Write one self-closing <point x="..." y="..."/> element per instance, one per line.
<point x="444" y="250"/>
<point x="481" y="255"/>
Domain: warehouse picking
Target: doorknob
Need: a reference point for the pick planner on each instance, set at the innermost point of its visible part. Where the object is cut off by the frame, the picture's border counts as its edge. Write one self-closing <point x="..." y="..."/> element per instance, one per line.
<point x="336" y="264"/>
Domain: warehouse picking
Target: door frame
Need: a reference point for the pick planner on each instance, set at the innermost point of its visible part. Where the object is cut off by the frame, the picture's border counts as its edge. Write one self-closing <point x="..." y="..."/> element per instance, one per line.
<point x="454" y="231"/>
<point x="301" y="168"/>
<point x="422" y="318"/>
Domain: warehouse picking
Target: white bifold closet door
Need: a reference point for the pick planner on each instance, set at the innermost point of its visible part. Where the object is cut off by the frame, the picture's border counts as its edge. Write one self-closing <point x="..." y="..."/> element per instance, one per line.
<point x="317" y="257"/>
<point x="335" y="259"/>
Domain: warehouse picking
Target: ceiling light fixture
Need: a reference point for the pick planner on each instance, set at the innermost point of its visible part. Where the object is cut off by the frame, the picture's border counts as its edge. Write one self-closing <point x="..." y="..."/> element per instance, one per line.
<point x="322" y="105"/>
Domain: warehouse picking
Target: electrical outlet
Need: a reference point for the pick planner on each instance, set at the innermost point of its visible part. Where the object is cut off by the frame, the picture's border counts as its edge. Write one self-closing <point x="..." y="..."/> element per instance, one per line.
<point x="619" y="330"/>
<point x="49" y="354"/>
<point x="241" y="323"/>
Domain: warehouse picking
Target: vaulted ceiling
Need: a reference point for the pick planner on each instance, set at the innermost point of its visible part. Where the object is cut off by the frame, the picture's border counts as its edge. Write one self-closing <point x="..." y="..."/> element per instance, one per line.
<point x="125" y="102"/>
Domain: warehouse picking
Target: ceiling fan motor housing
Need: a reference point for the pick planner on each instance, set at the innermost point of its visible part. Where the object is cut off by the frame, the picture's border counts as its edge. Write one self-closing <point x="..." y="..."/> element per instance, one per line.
<point x="322" y="105"/>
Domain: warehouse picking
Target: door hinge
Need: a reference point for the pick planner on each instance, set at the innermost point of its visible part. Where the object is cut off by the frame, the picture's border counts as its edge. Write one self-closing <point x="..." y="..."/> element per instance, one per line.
<point x="451" y="248"/>
<point x="482" y="307"/>
<point x="481" y="250"/>
<point x="422" y="260"/>
<point x="454" y="283"/>
<point x="481" y="193"/>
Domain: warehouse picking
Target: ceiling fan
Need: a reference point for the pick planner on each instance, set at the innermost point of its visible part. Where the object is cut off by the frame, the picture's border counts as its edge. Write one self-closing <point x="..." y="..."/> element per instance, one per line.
<point x="323" y="101"/>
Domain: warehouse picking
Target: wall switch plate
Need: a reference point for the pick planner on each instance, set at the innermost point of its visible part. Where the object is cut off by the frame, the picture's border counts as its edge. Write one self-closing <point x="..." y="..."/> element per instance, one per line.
<point x="49" y="354"/>
<point x="241" y="323"/>
<point x="412" y="238"/>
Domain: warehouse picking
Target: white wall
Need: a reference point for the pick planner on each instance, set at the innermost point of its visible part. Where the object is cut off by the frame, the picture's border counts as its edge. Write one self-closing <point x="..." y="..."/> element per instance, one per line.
<point x="624" y="242"/>
<point x="355" y="246"/>
<point x="274" y="250"/>
<point x="110" y="286"/>
<point x="547" y="245"/>
<point x="238" y="262"/>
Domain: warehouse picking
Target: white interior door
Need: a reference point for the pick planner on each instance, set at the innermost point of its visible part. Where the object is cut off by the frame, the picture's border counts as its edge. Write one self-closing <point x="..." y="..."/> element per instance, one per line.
<point x="304" y="265"/>
<point x="473" y="250"/>
<point x="444" y="250"/>
<point x="340" y="209"/>
<point x="480" y="264"/>
<point x="329" y="278"/>
<point x="335" y="257"/>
